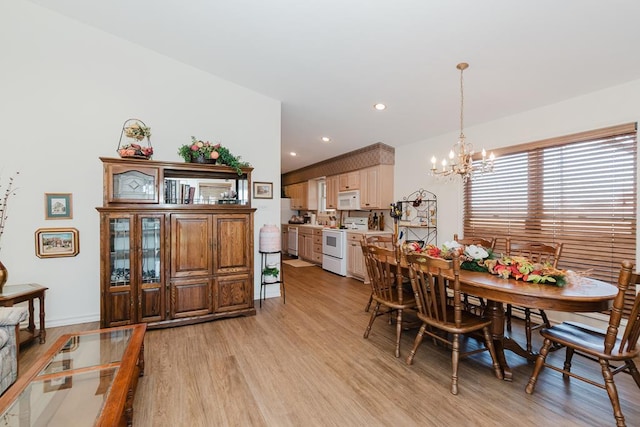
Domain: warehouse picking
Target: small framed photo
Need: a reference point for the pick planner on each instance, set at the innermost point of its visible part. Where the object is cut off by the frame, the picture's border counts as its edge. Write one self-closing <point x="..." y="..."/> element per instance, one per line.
<point x="57" y="242"/>
<point x="263" y="190"/>
<point x="57" y="206"/>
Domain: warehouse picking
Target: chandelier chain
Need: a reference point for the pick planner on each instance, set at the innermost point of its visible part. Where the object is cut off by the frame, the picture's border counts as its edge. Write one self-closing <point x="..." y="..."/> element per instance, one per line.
<point x="461" y="104"/>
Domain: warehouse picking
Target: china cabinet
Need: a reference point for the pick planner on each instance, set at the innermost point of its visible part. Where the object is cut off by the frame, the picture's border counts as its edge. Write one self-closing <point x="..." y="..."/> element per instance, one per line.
<point x="175" y="249"/>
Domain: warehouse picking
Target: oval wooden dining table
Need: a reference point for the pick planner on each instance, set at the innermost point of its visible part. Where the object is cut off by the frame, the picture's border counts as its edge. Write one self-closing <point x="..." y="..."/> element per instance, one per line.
<point x="583" y="295"/>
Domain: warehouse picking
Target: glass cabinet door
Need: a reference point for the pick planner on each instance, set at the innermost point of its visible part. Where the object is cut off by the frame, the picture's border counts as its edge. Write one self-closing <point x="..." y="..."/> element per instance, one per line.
<point x="128" y="185"/>
<point x="117" y="303"/>
<point x="150" y="295"/>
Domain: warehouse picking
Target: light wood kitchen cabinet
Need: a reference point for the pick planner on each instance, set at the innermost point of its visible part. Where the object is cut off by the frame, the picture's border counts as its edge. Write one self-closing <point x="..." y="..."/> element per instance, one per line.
<point x="310" y="244"/>
<point x="332" y="186"/>
<point x="284" y="238"/>
<point x="168" y="258"/>
<point x="355" y="258"/>
<point x="304" y="195"/>
<point x="349" y="181"/>
<point x="376" y="187"/>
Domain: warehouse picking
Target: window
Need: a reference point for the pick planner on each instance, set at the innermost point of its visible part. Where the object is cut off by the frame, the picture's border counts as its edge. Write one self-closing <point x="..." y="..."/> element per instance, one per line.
<point x="578" y="189"/>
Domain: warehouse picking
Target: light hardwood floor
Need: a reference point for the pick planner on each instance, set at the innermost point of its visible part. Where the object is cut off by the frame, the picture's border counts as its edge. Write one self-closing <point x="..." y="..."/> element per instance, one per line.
<point x="305" y="363"/>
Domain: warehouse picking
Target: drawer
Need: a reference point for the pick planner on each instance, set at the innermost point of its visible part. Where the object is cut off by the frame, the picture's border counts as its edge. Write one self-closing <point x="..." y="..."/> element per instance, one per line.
<point x="317" y="232"/>
<point x="317" y="240"/>
<point x="317" y="249"/>
<point x="354" y="237"/>
<point x="317" y="258"/>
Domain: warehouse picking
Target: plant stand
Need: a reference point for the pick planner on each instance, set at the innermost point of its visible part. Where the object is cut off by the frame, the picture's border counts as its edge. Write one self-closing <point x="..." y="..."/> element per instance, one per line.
<point x="263" y="281"/>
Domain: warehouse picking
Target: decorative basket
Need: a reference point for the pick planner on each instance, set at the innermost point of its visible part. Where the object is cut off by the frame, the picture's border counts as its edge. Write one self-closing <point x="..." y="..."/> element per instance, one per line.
<point x="136" y="131"/>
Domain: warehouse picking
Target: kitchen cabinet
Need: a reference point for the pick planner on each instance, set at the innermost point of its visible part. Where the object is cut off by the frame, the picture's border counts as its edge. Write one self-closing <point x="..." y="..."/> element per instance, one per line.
<point x="332" y="186"/>
<point x="170" y="256"/>
<point x="310" y="244"/>
<point x="304" y="195"/>
<point x="355" y="258"/>
<point x="376" y="187"/>
<point x="349" y="181"/>
<point x="284" y="238"/>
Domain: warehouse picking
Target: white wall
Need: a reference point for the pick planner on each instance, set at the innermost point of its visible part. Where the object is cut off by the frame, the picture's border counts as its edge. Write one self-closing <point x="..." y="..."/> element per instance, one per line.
<point x="65" y="91"/>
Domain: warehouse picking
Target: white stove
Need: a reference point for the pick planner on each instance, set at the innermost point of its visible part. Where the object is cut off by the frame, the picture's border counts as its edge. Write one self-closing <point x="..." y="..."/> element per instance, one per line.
<point x="334" y="244"/>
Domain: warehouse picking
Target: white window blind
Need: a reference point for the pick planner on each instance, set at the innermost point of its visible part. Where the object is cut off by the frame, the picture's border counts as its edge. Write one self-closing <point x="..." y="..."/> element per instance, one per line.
<point x="578" y="189"/>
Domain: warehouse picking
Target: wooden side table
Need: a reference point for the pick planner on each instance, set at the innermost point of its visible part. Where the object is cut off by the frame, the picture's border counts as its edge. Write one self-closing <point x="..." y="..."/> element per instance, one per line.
<point x="13" y="294"/>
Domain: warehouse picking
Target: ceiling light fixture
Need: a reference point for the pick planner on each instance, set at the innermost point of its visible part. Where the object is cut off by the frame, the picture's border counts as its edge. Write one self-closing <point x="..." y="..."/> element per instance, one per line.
<point x="293" y="154"/>
<point x="326" y="139"/>
<point x="379" y="106"/>
<point x="461" y="155"/>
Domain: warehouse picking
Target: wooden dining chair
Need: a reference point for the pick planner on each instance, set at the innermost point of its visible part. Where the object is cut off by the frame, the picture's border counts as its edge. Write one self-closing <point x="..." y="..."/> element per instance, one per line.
<point x="475" y="304"/>
<point x="536" y="252"/>
<point x="487" y="243"/>
<point x="385" y="241"/>
<point x="388" y="292"/>
<point x="431" y="294"/>
<point x="604" y="346"/>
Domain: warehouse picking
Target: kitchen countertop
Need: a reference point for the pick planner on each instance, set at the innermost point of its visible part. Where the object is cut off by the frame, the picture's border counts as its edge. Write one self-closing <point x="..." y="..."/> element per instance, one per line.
<point x="348" y="230"/>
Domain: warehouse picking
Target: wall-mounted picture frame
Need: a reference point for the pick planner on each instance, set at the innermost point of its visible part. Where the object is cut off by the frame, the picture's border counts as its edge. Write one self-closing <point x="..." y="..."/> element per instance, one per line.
<point x="58" y="206"/>
<point x="57" y="242"/>
<point x="263" y="190"/>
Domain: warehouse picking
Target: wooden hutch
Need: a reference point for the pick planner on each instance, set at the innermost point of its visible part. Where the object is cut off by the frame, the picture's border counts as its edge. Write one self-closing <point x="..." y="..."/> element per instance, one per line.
<point x="176" y="243"/>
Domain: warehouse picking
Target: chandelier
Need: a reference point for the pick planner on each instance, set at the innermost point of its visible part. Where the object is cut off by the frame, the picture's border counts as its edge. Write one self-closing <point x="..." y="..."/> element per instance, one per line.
<point x="461" y="154"/>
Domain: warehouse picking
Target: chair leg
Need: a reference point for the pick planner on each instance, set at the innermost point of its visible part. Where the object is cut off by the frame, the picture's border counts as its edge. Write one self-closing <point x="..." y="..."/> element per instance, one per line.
<point x="374" y="314"/>
<point x="507" y="316"/>
<point x="455" y="358"/>
<point x="527" y="328"/>
<point x="366" y="309"/>
<point x="492" y="351"/>
<point x="612" y="392"/>
<point x="567" y="363"/>
<point x="416" y="343"/>
<point x="631" y="366"/>
<point x="531" y="385"/>
<point x="398" y="332"/>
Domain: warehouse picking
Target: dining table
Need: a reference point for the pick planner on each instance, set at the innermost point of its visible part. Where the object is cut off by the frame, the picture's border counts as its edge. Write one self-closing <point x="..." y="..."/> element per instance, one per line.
<point x="579" y="294"/>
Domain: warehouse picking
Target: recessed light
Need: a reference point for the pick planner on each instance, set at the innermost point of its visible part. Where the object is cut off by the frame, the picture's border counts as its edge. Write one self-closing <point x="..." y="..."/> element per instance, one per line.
<point x="379" y="106"/>
<point x="326" y="139"/>
<point x="293" y="153"/>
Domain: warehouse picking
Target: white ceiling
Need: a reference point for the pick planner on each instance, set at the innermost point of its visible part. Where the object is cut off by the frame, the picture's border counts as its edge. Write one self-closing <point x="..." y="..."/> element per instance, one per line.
<point x="329" y="61"/>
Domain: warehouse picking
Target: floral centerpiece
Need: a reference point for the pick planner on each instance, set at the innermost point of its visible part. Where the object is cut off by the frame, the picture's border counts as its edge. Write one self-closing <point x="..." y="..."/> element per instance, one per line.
<point x="206" y="152"/>
<point x="477" y="258"/>
<point x="137" y="131"/>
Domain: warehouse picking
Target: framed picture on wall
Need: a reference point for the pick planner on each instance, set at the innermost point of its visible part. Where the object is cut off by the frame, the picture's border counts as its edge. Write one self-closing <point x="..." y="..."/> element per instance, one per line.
<point x="263" y="190"/>
<point x="57" y="206"/>
<point x="57" y="242"/>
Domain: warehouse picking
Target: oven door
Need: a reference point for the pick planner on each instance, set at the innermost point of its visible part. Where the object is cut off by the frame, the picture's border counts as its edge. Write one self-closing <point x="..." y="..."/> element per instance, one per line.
<point x="333" y="243"/>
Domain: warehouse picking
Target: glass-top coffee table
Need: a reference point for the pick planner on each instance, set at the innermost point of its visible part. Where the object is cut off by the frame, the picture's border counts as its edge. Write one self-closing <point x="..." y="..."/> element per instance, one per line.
<point x="87" y="378"/>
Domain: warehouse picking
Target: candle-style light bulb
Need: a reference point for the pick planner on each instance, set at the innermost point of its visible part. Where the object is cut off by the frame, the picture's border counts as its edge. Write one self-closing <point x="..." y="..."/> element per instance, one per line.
<point x="444" y="164"/>
<point x="491" y="156"/>
<point x="433" y="162"/>
<point x="451" y="154"/>
<point x="484" y="153"/>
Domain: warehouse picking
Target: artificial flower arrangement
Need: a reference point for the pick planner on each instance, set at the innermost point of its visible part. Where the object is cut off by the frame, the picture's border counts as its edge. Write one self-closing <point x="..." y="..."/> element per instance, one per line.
<point x="477" y="258"/>
<point x="137" y="131"/>
<point x="210" y="153"/>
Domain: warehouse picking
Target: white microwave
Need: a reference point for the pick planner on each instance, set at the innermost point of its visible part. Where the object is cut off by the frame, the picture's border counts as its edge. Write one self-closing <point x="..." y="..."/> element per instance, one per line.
<point x="349" y="200"/>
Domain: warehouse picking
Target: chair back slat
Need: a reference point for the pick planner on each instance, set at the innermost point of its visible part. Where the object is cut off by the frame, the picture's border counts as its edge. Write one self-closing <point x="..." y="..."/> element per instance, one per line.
<point x="431" y="288"/>
<point x="624" y="280"/>
<point x="484" y="242"/>
<point x="535" y="251"/>
<point x="632" y="331"/>
<point x="384" y="273"/>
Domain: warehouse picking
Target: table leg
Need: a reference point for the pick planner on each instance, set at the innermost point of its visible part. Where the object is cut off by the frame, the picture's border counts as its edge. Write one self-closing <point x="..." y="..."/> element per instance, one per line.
<point x="495" y="312"/>
<point x="32" y="324"/>
<point x="43" y="331"/>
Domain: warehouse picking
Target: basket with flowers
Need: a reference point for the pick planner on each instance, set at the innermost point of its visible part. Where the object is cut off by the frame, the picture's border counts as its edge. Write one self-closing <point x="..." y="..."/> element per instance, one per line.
<point x="136" y="131"/>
